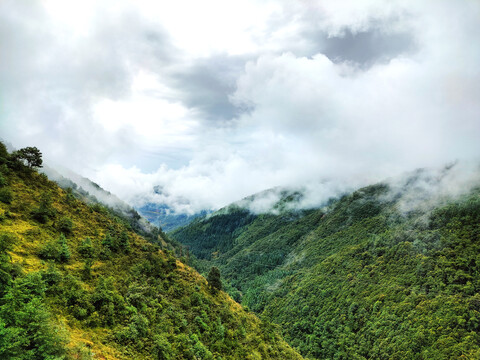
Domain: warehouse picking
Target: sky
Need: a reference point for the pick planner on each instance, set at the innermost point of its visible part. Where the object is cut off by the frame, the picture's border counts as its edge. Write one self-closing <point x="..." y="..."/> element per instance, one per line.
<point x="212" y="101"/>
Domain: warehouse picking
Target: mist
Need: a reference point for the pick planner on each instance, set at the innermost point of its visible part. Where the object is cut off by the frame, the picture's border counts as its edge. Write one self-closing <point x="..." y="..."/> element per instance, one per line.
<point x="321" y="96"/>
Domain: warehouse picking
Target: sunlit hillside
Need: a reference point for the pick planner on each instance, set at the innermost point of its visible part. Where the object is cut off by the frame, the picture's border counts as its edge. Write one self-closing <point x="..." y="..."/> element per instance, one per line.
<point x="77" y="283"/>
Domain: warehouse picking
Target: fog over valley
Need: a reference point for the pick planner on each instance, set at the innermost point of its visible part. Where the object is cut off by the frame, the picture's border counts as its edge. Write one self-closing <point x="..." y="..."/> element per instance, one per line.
<point x="216" y="102"/>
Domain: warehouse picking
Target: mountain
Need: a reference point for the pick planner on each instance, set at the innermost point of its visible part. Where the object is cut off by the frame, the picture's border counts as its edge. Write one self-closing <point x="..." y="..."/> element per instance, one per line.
<point x="390" y="271"/>
<point x="76" y="282"/>
<point x="164" y="217"/>
<point x="166" y="210"/>
<point x="92" y="194"/>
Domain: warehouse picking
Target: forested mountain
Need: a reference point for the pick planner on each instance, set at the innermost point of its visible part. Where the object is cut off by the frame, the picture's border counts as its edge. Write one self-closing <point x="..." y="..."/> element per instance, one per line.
<point x="390" y="271"/>
<point x="77" y="283"/>
<point x="92" y="194"/>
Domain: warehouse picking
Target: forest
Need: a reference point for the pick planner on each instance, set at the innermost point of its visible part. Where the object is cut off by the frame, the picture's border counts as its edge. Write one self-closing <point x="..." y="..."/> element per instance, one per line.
<point x="358" y="278"/>
<point x="77" y="283"/>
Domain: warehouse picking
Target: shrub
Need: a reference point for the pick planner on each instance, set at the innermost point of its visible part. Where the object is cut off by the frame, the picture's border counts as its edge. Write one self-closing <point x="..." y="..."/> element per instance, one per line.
<point x="26" y="327"/>
<point x="56" y="250"/>
<point x="162" y="348"/>
<point x="45" y="210"/>
<point x="49" y="251"/>
<point x="123" y="242"/>
<point x="6" y="195"/>
<point x="52" y="277"/>
<point x="86" y="249"/>
<point x="6" y="243"/>
<point x="64" y="254"/>
<point x="3" y="181"/>
<point x="3" y="152"/>
<point x="65" y="225"/>
<point x="109" y="242"/>
<point x="87" y="269"/>
<point x="69" y="197"/>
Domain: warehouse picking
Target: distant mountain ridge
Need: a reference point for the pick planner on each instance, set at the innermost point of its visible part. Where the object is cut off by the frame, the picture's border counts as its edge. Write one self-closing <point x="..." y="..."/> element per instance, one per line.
<point x="273" y="200"/>
<point x="163" y="216"/>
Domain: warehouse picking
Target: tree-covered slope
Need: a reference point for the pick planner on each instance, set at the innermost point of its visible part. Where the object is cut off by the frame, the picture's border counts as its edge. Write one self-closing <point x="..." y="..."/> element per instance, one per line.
<point x="387" y="272"/>
<point x="92" y="194"/>
<point x="77" y="283"/>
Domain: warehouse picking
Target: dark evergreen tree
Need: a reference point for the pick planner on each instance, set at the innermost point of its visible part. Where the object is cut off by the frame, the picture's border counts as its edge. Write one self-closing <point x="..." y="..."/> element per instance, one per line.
<point x="45" y="209"/>
<point x="86" y="249"/>
<point x="123" y="242"/>
<point x="64" y="251"/>
<point x="6" y="195"/>
<point x="65" y="225"/>
<point x="109" y="242"/>
<point x="213" y="279"/>
<point x="3" y="153"/>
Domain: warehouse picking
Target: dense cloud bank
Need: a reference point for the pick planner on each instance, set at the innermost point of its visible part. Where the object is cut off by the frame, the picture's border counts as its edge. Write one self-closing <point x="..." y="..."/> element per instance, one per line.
<point x="212" y="103"/>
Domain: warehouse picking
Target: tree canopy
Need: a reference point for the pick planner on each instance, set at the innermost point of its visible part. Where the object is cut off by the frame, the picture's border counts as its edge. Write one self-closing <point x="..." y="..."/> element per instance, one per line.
<point x="213" y="278"/>
<point x="29" y="156"/>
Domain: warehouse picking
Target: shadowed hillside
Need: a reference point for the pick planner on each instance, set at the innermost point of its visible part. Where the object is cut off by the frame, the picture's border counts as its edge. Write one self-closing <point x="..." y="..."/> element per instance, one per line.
<point x="389" y="271"/>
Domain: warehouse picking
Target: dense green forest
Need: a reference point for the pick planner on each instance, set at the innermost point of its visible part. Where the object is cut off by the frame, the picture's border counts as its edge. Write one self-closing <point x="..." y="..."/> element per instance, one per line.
<point x="77" y="283"/>
<point x="365" y="276"/>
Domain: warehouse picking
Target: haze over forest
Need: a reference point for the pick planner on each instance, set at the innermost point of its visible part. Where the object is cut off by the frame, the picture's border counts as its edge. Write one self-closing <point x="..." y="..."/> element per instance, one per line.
<point x="213" y="101"/>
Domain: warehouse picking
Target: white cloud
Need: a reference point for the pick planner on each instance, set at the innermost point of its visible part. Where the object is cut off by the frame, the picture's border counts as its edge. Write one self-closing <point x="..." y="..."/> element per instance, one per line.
<point x="215" y="101"/>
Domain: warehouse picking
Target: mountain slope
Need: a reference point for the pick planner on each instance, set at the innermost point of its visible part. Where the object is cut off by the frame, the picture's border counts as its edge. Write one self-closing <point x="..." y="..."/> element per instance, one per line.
<point x="91" y="193"/>
<point x="76" y="282"/>
<point x="389" y="271"/>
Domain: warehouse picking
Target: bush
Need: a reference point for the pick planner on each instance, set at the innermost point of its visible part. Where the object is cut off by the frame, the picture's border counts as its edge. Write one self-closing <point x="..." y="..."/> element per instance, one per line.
<point x="69" y="197"/>
<point x="6" y="243"/>
<point x="52" y="277"/>
<point x="49" y="251"/>
<point x="109" y="242"/>
<point x="45" y="209"/>
<point x="162" y="348"/>
<point x="123" y="242"/>
<point x="6" y="195"/>
<point x="87" y="270"/>
<point x="65" y="225"/>
<point x="86" y="249"/>
<point x="3" y="181"/>
<point x="3" y="152"/>
<point x="56" y="250"/>
<point x="26" y="327"/>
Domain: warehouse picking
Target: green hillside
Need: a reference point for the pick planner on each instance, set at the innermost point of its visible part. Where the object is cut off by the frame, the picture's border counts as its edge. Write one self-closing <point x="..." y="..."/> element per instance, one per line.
<point x="77" y="283"/>
<point x="104" y="201"/>
<point x="382" y="273"/>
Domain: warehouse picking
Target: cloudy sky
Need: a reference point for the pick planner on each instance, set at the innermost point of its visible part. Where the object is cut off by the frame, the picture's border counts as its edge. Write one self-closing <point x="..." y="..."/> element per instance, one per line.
<point x="215" y="100"/>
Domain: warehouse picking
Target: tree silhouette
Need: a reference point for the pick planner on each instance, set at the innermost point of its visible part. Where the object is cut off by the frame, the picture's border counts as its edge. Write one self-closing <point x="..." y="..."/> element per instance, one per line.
<point x="29" y="156"/>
